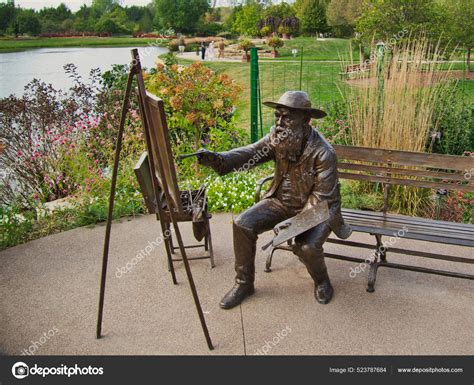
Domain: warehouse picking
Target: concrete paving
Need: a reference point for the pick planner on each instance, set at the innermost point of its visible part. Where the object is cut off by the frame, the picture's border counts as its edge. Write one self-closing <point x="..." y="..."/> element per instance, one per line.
<point x="49" y="294"/>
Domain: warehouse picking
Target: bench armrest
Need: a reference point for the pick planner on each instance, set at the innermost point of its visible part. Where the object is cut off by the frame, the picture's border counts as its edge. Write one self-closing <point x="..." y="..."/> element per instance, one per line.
<point x="260" y="184"/>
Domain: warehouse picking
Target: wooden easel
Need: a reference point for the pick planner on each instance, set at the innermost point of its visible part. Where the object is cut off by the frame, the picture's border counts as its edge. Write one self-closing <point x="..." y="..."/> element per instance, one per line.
<point x="159" y="166"/>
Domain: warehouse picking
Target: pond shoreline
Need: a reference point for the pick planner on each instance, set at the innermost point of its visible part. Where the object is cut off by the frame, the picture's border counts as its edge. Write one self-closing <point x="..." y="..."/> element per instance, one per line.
<point x="18" y="45"/>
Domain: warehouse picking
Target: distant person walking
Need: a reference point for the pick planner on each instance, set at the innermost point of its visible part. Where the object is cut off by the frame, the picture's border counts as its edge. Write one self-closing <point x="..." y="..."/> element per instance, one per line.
<point x="203" y="50"/>
<point x="221" y="49"/>
<point x="211" y="53"/>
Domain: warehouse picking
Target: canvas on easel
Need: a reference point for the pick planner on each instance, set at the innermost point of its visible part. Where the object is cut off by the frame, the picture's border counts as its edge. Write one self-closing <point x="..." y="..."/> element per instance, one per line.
<point x="163" y="181"/>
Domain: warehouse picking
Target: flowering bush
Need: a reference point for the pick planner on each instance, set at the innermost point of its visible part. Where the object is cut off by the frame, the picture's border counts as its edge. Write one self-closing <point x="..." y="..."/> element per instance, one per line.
<point x="457" y="207"/>
<point x="199" y="104"/>
<point x="233" y="192"/>
<point x="39" y="132"/>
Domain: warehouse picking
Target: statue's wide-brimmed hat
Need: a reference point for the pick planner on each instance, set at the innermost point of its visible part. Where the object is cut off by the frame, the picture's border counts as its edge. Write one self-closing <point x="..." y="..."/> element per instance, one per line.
<point x="297" y="100"/>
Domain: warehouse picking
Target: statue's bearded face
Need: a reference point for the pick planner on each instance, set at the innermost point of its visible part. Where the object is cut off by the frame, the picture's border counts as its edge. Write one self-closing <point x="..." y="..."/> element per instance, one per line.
<point x="291" y="127"/>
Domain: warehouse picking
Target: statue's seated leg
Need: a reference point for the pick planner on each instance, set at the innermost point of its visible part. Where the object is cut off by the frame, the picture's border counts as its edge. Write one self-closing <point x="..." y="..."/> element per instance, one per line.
<point x="246" y="227"/>
<point x="309" y="249"/>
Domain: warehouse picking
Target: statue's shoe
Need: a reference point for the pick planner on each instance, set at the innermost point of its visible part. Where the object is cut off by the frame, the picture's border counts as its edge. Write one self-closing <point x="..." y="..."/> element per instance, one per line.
<point x="323" y="291"/>
<point x="236" y="295"/>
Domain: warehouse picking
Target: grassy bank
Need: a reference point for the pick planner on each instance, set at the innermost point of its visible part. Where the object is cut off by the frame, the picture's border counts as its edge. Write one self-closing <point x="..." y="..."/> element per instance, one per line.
<point x="320" y="80"/>
<point x="317" y="49"/>
<point x="56" y="42"/>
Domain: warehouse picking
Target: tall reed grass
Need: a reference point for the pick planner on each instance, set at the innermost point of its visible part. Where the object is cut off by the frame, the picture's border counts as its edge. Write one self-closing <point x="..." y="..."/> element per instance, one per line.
<point x="391" y="105"/>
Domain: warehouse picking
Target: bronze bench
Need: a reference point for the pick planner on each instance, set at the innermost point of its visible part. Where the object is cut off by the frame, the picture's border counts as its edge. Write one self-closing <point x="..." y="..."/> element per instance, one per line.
<point x="390" y="167"/>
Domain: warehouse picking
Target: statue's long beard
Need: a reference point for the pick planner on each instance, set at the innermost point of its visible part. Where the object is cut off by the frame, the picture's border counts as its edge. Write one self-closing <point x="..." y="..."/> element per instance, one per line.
<point x="289" y="144"/>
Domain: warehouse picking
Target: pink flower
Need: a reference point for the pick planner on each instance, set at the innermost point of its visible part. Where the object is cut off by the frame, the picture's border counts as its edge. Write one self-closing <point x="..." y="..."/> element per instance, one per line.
<point x="19" y="153"/>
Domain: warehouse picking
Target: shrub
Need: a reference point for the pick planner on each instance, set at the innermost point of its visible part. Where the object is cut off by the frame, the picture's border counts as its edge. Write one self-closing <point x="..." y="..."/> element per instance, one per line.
<point x="226" y="35"/>
<point x="245" y="45"/>
<point x="209" y="29"/>
<point x="265" y="31"/>
<point x="40" y="130"/>
<point x="198" y="103"/>
<point x="275" y="42"/>
<point x="454" y="120"/>
<point x="335" y="126"/>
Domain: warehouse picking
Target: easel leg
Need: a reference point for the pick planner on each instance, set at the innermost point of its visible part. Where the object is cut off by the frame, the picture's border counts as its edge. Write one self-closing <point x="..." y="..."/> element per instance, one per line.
<point x="209" y="245"/>
<point x="168" y="238"/>
<point x="168" y="227"/>
<point x="192" y="285"/>
<point x="108" y="228"/>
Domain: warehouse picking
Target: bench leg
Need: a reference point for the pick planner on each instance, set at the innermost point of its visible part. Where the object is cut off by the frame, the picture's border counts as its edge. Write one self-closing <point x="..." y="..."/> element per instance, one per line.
<point x="268" y="264"/>
<point x="381" y="251"/>
<point x="372" y="276"/>
<point x="380" y="256"/>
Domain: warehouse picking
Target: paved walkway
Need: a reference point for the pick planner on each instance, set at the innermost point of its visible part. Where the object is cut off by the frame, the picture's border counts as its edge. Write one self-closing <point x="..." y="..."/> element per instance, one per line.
<point x="49" y="292"/>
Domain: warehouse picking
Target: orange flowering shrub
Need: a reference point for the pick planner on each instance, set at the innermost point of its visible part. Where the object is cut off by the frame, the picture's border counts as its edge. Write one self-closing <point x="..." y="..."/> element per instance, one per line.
<point x="199" y="105"/>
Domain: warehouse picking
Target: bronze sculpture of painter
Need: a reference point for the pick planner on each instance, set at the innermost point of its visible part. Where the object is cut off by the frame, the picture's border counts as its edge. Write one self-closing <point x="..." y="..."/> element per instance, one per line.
<point x="305" y="176"/>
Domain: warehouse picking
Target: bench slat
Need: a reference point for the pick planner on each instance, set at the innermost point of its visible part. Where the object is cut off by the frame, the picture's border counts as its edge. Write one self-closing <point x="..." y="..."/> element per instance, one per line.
<point x="405" y="158"/>
<point x="412" y="229"/>
<point x="458" y="176"/>
<point x="373" y="215"/>
<point x="368" y="228"/>
<point x="408" y="182"/>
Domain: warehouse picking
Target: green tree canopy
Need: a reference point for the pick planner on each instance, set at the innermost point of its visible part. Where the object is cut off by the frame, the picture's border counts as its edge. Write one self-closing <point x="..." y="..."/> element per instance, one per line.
<point x="104" y="6"/>
<point x="382" y="19"/>
<point x="247" y="17"/>
<point x="312" y="16"/>
<point x="7" y="14"/>
<point x="181" y="15"/>
<point x="28" y="23"/>
<point x="460" y="16"/>
<point x="342" y="15"/>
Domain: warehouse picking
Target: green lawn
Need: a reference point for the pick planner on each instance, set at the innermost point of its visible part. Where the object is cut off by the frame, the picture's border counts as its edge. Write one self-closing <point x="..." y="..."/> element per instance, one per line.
<point x="313" y="49"/>
<point x="21" y="44"/>
<point x="320" y="80"/>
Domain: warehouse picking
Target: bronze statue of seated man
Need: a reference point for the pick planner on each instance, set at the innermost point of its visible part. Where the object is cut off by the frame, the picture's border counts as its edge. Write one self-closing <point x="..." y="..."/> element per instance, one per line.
<point x="305" y="174"/>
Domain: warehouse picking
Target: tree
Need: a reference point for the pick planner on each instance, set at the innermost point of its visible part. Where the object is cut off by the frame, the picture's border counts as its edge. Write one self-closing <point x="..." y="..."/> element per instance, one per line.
<point x="280" y="18"/>
<point x="145" y="23"/>
<point x="247" y="18"/>
<point x="342" y="15"/>
<point x="58" y="14"/>
<point x="180" y="15"/>
<point x="7" y="14"/>
<point x="114" y="21"/>
<point x="28" y="23"/>
<point x="104" y="6"/>
<point x="282" y="10"/>
<point x="312" y="16"/>
<point x="461" y="25"/>
<point x="383" y="19"/>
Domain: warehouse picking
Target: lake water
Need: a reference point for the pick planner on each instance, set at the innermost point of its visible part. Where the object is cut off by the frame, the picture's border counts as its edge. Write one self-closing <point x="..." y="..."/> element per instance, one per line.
<point x="18" y="68"/>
